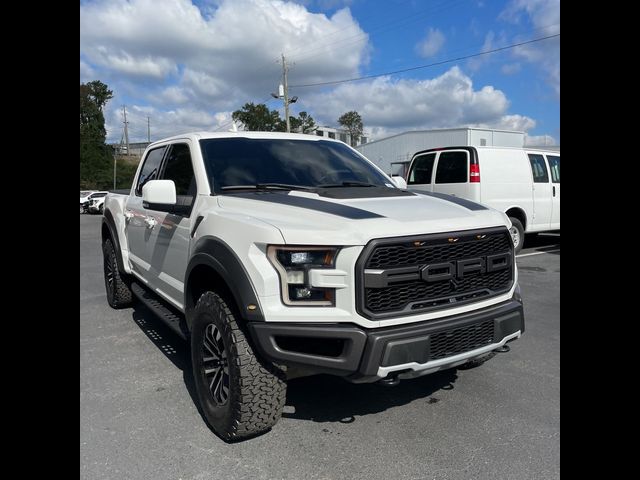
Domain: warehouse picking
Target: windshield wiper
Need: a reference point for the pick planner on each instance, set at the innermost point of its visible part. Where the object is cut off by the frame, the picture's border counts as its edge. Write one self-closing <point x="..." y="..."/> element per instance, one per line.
<point x="269" y="186"/>
<point x="347" y="184"/>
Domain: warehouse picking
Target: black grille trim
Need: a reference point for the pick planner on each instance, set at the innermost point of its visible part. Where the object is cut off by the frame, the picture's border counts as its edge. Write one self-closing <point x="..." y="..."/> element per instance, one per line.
<point x="402" y="292"/>
<point x="460" y="340"/>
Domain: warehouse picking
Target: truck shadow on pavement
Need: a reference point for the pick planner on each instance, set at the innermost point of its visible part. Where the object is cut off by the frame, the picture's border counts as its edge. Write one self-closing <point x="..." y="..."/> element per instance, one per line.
<point x="326" y="398"/>
<point x="319" y="398"/>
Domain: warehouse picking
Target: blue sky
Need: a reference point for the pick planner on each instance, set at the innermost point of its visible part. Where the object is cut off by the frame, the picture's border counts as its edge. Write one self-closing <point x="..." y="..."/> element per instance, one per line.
<point x="187" y="65"/>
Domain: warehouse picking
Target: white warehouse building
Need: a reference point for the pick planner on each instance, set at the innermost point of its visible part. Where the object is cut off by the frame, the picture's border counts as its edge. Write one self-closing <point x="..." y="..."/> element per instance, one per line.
<point x="393" y="154"/>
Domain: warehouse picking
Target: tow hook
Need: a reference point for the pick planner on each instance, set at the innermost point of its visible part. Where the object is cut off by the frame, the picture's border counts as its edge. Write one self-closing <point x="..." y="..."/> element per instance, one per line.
<point x="503" y="349"/>
<point x="390" y="381"/>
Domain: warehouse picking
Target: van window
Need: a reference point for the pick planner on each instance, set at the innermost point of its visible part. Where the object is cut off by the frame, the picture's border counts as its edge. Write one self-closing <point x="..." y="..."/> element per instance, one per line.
<point x="452" y="167"/>
<point x="554" y="166"/>
<point x="539" y="168"/>
<point x="422" y="169"/>
<point x="150" y="169"/>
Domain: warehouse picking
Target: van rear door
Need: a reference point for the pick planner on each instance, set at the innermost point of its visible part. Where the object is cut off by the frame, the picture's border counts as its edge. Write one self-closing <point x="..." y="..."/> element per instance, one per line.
<point x="421" y="172"/>
<point x="554" y="167"/>
<point x="452" y="175"/>
<point x="542" y="194"/>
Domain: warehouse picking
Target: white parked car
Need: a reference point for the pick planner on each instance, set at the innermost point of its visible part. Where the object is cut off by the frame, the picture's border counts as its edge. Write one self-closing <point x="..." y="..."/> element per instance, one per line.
<point x="85" y="202"/>
<point x="96" y="204"/>
<point x="524" y="183"/>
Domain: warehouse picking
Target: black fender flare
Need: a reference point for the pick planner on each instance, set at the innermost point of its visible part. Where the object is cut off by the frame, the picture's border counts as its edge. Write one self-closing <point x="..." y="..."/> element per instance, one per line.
<point x="216" y="254"/>
<point x="107" y="219"/>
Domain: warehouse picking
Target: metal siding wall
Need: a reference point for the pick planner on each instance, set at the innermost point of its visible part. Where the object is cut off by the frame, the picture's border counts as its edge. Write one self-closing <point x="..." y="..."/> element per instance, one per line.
<point x="402" y="147"/>
<point x="508" y="139"/>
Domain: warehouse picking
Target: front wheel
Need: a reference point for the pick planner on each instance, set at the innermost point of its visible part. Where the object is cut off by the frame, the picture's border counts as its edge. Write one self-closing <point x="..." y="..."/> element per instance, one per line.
<point x="517" y="234"/>
<point x="240" y="395"/>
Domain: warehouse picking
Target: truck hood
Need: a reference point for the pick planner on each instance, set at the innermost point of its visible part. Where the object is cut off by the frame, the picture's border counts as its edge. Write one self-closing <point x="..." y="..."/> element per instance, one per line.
<point x="307" y="218"/>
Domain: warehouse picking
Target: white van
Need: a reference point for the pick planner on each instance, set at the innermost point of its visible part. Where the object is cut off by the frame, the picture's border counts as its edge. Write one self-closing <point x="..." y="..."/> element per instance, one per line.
<point x="522" y="182"/>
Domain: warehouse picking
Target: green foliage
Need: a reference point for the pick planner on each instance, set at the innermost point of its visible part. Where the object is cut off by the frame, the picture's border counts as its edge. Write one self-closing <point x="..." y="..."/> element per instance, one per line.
<point x="96" y="159"/>
<point x="125" y="171"/>
<point x="352" y="122"/>
<point x="258" y="118"/>
<point x="304" y="123"/>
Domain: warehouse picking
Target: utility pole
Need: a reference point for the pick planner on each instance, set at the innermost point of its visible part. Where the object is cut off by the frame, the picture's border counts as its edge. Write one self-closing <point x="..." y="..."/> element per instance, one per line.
<point x="126" y="128"/>
<point x="286" y="92"/>
<point x="283" y="92"/>
<point x="148" y="130"/>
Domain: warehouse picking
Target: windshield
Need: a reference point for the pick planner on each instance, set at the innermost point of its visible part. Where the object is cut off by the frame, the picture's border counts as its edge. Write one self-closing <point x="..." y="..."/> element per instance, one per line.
<point x="304" y="163"/>
<point x="98" y="195"/>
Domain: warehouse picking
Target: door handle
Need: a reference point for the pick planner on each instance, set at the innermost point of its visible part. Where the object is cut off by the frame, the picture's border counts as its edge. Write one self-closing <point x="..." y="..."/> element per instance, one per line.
<point x="554" y="190"/>
<point x="150" y="222"/>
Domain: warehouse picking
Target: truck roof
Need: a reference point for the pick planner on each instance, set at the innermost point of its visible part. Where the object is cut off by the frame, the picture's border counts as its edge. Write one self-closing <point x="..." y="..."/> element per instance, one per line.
<point x="245" y="134"/>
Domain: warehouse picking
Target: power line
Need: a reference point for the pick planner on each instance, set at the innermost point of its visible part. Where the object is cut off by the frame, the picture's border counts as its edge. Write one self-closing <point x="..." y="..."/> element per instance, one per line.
<point x="335" y="82"/>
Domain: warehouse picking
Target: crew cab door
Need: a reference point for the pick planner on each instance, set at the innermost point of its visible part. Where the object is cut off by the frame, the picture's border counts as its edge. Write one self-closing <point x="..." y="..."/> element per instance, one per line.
<point x="136" y="225"/>
<point x="421" y="172"/>
<point x="554" y="168"/>
<point x="542" y="194"/>
<point x="168" y="238"/>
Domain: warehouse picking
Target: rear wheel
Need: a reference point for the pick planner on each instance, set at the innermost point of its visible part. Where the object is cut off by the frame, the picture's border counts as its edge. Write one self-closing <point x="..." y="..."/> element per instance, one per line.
<point x="240" y="394"/>
<point x="118" y="292"/>
<point x="517" y="234"/>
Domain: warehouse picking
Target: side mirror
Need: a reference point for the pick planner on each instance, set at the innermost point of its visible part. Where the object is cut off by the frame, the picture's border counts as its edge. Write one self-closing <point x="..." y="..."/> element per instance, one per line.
<point x="159" y="195"/>
<point x="400" y="182"/>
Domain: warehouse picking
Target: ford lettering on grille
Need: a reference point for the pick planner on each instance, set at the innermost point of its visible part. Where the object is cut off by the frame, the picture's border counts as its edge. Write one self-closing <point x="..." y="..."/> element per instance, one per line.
<point x="406" y="276"/>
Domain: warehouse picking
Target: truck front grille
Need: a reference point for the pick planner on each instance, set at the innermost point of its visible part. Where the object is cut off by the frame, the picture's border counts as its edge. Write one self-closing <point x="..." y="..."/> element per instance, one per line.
<point x="409" y="275"/>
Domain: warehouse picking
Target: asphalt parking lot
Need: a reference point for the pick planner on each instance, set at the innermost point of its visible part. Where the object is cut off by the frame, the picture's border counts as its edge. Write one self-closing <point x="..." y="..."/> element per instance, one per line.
<point x="138" y="419"/>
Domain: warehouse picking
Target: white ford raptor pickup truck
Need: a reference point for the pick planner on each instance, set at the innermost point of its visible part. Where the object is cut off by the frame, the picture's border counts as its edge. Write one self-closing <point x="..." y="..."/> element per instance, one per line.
<point x="282" y="255"/>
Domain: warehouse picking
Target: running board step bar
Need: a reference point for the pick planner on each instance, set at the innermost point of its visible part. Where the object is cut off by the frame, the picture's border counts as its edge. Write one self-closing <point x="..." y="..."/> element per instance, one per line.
<point x="158" y="307"/>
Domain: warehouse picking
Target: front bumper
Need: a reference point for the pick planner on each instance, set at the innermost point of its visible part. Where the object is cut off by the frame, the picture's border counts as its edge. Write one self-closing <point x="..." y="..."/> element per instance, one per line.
<point x="367" y="355"/>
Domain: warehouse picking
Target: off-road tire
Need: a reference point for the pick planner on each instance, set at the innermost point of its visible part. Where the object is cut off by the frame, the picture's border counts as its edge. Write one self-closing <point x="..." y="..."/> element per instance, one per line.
<point x="256" y="388"/>
<point x="118" y="292"/>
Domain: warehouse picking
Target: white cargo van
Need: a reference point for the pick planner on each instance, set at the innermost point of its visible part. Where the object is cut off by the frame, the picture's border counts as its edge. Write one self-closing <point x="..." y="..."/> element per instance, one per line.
<point x="522" y="182"/>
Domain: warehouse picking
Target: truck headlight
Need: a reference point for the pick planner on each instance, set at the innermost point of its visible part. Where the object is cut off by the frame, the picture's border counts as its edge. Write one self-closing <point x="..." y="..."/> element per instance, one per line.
<point x="293" y="265"/>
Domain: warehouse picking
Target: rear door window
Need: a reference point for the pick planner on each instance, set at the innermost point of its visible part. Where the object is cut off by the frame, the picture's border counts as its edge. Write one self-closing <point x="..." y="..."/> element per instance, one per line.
<point x="452" y="167"/>
<point x="422" y="169"/>
<point x="150" y="168"/>
<point x="538" y="168"/>
<point x="178" y="167"/>
<point x="554" y="166"/>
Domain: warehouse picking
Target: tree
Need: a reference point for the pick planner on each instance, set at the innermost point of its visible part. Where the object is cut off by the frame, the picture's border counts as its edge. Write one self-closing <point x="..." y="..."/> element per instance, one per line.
<point x="259" y="118"/>
<point x="352" y="122"/>
<point x="306" y="123"/>
<point x="95" y="157"/>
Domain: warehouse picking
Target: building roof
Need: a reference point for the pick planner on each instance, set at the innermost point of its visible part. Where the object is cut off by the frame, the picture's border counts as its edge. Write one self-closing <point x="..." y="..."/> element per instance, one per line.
<point x="445" y="130"/>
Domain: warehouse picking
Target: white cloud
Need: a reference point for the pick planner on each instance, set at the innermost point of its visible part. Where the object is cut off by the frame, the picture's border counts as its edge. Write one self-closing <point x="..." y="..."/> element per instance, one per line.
<point x="219" y="57"/>
<point x="162" y="123"/>
<point x="431" y="44"/>
<point x="511" y="68"/>
<point x="189" y="67"/>
<point x="87" y="73"/>
<point x="539" y="140"/>
<point x="389" y="106"/>
<point x="544" y="15"/>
